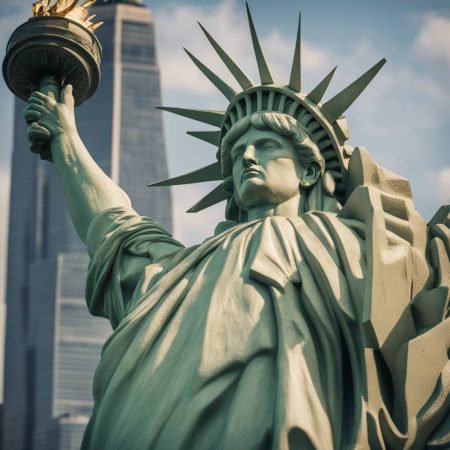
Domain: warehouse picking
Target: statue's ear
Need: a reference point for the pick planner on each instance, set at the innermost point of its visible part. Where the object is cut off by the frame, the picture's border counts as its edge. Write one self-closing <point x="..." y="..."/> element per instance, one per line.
<point x="309" y="175"/>
<point x="320" y="196"/>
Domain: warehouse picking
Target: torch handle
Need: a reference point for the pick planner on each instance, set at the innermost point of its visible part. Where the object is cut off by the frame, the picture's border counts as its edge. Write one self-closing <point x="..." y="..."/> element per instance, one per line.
<point x="41" y="144"/>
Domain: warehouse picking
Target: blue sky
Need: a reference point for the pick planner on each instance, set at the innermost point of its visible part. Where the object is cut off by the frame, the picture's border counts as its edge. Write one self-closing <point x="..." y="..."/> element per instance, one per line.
<point x="402" y="118"/>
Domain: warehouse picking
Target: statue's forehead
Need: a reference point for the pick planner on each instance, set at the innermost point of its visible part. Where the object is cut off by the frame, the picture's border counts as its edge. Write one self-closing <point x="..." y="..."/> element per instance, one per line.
<point x="254" y="136"/>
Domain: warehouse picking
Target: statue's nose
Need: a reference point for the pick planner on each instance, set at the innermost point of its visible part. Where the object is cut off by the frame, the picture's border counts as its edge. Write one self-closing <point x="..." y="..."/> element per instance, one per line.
<point x="249" y="156"/>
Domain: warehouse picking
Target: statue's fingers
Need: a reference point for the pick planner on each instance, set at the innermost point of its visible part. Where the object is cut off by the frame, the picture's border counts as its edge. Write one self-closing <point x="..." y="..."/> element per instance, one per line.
<point x="35" y="107"/>
<point x="31" y="115"/>
<point x="37" y="128"/>
<point x="42" y="107"/>
<point x="39" y="97"/>
<point x="37" y="131"/>
<point x="32" y="109"/>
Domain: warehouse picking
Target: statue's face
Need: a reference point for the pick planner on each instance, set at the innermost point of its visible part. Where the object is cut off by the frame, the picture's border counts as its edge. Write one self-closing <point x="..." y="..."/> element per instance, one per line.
<point x="266" y="169"/>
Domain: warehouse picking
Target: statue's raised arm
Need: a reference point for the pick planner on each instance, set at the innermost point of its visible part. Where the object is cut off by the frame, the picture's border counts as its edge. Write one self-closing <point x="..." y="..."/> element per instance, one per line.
<point x="87" y="189"/>
<point x="56" y="54"/>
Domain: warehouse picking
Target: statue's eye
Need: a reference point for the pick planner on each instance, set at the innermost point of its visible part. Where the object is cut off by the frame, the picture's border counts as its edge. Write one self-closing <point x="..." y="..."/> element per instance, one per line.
<point x="268" y="145"/>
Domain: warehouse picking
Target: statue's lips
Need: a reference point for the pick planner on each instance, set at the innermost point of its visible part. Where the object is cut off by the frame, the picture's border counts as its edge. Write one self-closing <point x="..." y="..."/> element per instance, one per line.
<point x="250" y="173"/>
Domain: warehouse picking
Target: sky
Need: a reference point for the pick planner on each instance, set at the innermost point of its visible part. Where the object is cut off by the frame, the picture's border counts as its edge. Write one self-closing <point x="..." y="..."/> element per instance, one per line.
<point x="403" y="117"/>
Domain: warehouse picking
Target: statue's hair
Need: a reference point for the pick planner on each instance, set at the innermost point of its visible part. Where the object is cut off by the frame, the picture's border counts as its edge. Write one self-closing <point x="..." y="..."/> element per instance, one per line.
<point x="286" y="126"/>
<point x="307" y="151"/>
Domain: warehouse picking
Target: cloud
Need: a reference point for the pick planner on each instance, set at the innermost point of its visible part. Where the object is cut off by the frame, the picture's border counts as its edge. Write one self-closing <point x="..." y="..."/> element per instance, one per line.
<point x="443" y="183"/>
<point x="178" y="72"/>
<point x="228" y="25"/>
<point x="279" y="52"/>
<point x="439" y="184"/>
<point x="433" y="40"/>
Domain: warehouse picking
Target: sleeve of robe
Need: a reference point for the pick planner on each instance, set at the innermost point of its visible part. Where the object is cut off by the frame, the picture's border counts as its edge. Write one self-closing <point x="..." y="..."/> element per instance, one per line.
<point x="120" y="245"/>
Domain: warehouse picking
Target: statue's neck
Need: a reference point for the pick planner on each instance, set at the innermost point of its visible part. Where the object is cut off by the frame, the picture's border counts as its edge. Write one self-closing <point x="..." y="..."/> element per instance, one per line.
<point x="289" y="208"/>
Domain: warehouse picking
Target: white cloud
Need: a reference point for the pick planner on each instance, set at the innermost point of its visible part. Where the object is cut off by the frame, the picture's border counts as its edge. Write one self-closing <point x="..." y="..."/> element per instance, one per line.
<point x="228" y="25"/>
<point x="178" y="72"/>
<point x="279" y="52"/>
<point x="433" y="40"/>
<point x="443" y="182"/>
<point x="439" y="182"/>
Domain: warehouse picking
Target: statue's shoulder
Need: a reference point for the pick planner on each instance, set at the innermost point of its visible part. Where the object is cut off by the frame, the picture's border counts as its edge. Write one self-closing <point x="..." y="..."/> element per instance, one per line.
<point x="382" y="201"/>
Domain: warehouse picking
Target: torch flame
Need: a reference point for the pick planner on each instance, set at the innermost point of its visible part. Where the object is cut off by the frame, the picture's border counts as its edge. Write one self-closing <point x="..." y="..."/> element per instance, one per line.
<point x="68" y="9"/>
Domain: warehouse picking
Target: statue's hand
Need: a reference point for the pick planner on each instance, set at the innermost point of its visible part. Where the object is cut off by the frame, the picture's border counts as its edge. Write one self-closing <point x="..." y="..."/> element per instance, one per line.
<point x="50" y="118"/>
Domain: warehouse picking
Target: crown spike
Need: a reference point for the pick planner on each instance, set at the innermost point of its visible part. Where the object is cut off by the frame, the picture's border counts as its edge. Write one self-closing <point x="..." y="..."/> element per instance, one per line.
<point x="243" y="80"/>
<point x="223" y="87"/>
<point x="318" y="92"/>
<point x="335" y="107"/>
<point x="212" y="172"/>
<point x="217" y="195"/>
<point x="87" y="4"/>
<point x="295" y="82"/>
<point x="214" y="118"/>
<point x="264" y="72"/>
<point x="211" y="137"/>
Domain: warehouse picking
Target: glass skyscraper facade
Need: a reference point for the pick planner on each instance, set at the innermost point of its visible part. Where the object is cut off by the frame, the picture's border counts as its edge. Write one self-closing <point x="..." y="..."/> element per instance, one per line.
<point x="52" y="343"/>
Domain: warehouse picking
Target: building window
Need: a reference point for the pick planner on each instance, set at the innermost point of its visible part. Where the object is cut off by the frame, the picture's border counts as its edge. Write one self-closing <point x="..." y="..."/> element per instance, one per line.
<point x="138" y="43"/>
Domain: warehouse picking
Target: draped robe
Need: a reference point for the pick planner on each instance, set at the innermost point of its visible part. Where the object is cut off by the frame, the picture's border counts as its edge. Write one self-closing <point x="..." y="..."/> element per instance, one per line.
<point x="326" y="331"/>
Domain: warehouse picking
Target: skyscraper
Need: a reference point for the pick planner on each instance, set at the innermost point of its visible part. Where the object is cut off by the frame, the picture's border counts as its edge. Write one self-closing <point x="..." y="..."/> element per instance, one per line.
<point x="52" y="343"/>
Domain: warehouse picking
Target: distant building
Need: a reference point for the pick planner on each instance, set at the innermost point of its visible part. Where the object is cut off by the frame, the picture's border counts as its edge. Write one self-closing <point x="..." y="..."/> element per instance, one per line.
<point x="52" y="343"/>
<point x="2" y="346"/>
<point x="2" y="356"/>
<point x="1" y="426"/>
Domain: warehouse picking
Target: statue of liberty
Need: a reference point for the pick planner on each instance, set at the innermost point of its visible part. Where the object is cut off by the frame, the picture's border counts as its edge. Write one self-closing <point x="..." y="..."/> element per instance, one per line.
<point x="316" y="317"/>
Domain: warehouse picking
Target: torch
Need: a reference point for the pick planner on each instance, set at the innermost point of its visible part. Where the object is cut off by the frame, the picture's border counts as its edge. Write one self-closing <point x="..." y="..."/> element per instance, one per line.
<point x="53" y="48"/>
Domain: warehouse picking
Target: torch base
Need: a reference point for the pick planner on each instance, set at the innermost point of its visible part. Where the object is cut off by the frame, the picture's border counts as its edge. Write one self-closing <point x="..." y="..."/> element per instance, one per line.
<point x="52" y="46"/>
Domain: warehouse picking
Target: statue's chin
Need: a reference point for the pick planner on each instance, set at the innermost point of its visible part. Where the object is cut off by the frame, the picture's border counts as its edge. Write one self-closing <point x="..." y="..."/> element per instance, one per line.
<point x="253" y="194"/>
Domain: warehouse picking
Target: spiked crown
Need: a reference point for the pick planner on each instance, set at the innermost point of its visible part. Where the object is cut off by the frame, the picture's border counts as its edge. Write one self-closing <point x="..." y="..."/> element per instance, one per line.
<point x="324" y="122"/>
